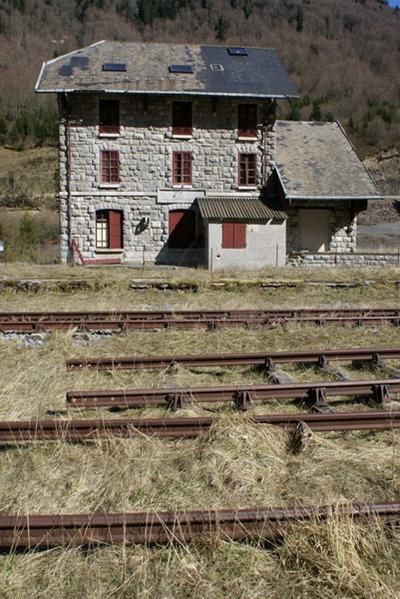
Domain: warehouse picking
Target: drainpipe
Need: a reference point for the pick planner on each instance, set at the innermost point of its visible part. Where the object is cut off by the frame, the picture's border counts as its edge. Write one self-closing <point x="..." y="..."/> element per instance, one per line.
<point x="68" y="174"/>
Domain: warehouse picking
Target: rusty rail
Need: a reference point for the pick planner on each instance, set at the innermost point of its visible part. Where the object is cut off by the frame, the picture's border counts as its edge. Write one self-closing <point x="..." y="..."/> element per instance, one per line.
<point x="117" y="321"/>
<point x="314" y="393"/>
<point x="45" y="531"/>
<point x="268" y="359"/>
<point x="89" y="430"/>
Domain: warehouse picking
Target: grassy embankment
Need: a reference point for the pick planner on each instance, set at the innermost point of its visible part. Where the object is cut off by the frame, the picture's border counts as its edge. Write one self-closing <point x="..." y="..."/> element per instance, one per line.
<point x="235" y="464"/>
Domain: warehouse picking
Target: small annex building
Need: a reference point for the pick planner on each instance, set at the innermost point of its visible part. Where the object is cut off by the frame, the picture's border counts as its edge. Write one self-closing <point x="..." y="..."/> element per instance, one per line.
<point x="173" y="154"/>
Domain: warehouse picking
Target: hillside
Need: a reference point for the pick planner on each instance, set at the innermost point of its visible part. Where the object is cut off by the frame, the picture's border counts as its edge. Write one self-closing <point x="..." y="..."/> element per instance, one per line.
<point x="343" y="55"/>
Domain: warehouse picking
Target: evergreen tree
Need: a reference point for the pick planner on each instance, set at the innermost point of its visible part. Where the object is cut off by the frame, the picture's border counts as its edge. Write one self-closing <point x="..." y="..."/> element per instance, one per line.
<point x="28" y="232"/>
<point x="316" y="114"/>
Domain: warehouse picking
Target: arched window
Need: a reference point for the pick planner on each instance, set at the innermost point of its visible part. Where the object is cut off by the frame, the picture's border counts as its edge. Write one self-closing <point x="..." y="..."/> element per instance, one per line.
<point x="109" y="229"/>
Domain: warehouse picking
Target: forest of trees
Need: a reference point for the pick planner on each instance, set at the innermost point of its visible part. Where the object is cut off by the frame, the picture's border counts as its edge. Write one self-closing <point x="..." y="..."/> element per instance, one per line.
<point x="344" y="55"/>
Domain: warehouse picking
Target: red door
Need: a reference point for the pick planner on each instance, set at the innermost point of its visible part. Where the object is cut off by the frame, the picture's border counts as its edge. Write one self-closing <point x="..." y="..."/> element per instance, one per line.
<point x="115" y="229"/>
<point x="182" y="228"/>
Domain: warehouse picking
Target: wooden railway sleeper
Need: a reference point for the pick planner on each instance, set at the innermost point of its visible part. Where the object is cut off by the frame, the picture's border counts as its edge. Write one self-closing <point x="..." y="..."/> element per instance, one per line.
<point x="243" y="400"/>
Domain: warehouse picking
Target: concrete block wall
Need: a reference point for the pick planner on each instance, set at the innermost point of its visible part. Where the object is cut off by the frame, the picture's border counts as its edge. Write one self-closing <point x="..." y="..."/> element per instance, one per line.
<point x="265" y="246"/>
<point x="146" y="145"/>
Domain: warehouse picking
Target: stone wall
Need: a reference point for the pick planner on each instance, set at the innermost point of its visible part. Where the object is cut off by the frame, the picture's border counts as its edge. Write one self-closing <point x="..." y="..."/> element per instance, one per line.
<point x="343" y="259"/>
<point x="343" y="225"/>
<point x="145" y="145"/>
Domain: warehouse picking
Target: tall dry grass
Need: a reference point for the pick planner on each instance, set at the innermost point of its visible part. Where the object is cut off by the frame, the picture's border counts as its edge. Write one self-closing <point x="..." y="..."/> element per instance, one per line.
<point x="234" y="464"/>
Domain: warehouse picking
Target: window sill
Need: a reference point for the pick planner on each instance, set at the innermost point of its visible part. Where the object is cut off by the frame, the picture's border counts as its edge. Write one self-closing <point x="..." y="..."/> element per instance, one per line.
<point x="112" y="135"/>
<point x="244" y="138"/>
<point x="109" y="251"/>
<point x="178" y="136"/>
<point x="109" y="186"/>
<point x="182" y="187"/>
<point x="247" y="187"/>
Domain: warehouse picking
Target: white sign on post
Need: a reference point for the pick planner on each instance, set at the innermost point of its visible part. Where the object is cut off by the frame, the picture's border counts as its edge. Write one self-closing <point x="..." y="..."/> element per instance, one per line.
<point x="1" y="246"/>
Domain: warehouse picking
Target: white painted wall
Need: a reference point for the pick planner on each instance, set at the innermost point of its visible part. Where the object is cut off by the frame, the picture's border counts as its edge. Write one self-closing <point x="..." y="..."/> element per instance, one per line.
<point x="266" y="246"/>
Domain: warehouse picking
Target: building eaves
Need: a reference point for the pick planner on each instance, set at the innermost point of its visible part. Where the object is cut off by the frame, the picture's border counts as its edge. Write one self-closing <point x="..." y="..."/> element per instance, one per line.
<point x="251" y="210"/>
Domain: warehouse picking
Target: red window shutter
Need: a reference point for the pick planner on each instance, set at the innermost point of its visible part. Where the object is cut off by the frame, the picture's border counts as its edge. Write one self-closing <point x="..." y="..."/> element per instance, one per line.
<point x="227" y="235"/>
<point x="115" y="229"/>
<point x="239" y="235"/>
<point x="233" y="235"/>
<point x="182" y="118"/>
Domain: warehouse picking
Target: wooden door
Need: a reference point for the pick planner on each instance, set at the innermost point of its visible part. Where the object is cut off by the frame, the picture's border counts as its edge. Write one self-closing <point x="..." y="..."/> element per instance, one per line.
<point x="182" y="228"/>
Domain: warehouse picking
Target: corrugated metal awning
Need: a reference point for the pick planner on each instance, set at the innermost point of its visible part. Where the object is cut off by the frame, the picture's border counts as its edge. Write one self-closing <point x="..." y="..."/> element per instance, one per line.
<point x="250" y="210"/>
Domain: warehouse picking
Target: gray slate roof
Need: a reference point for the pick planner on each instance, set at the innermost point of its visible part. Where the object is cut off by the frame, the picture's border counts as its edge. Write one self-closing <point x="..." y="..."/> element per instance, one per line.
<point x="317" y="161"/>
<point x="260" y="74"/>
<point x="251" y="210"/>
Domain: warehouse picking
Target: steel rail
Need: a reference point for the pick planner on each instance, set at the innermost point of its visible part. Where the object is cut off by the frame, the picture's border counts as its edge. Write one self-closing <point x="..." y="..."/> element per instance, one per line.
<point x="87" y="321"/>
<point x="176" y="397"/>
<point x="318" y="356"/>
<point x="265" y="523"/>
<point x="89" y="430"/>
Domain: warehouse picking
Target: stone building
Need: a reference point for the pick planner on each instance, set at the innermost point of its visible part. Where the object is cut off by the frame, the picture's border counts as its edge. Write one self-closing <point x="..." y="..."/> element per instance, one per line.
<point x="173" y="154"/>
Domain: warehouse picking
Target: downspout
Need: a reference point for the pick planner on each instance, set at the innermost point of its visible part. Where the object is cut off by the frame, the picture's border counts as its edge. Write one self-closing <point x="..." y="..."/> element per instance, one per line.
<point x="68" y="177"/>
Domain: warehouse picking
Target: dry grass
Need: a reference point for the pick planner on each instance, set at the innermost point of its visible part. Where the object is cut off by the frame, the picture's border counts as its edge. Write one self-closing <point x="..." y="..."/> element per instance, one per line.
<point x="34" y="175"/>
<point x="124" y="274"/>
<point x="118" y="296"/>
<point x="234" y="464"/>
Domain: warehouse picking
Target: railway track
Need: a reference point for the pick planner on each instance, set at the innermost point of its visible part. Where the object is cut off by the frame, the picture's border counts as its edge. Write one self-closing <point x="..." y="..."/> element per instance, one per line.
<point x="267" y="359"/>
<point x="89" y="430"/>
<point x="269" y="524"/>
<point x="28" y="322"/>
<point x="242" y="396"/>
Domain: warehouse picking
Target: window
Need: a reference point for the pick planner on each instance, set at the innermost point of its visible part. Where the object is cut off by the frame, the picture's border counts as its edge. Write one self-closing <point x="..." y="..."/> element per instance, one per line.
<point x="109" y="166"/>
<point x="248" y="170"/>
<point x="181" y="118"/>
<point x="109" y="116"/>
<point x="247" y="120"/>
<point x="181" y="228"/>
<point x="182" y="168"/>
<point x="109" y="229"/>
<point x="233" y="235"/>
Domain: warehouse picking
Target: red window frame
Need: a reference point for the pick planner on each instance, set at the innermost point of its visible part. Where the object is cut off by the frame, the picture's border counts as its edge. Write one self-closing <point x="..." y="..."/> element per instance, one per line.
<point x="182" y="118"/>
<point x="247" y="120"/>
<point x="247" y="170"/>
<point x="109" y="116"/>
<point x="109" y="166"/>
<point x="182" y="168"/>
<point x="233" y="235"/>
